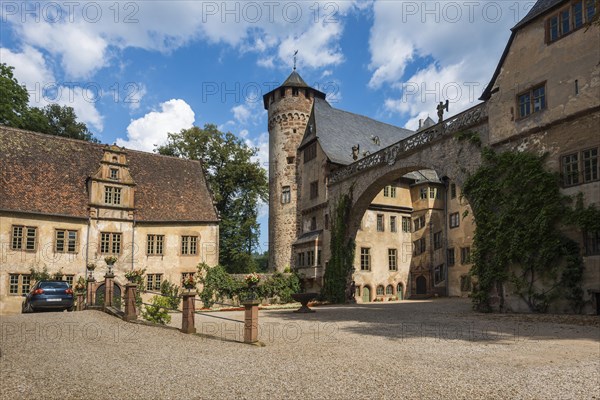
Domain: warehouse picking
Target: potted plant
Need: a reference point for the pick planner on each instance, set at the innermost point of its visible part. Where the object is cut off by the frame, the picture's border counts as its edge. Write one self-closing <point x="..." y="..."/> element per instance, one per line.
<point x="189" y="282"/>
<point x="252" y="279"/>
<point x="110" y="260"/>
<point x="91" y="266"/>
<point x="80" y="285"/>
<point x="134" y="275"/>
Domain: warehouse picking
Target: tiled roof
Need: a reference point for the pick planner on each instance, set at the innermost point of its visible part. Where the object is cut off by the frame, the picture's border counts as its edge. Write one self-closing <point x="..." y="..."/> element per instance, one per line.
<point x="540" y="7"/>
<point x="338" y="131"/>
<point x="48" y="175"/>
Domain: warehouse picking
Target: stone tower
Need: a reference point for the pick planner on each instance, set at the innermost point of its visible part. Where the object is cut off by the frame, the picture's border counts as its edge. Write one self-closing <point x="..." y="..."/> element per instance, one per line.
<point x="289" y="108"/>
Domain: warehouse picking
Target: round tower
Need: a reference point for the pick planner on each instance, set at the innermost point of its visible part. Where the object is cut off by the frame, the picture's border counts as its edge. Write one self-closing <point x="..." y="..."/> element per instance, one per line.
<point x="289" y="107"/>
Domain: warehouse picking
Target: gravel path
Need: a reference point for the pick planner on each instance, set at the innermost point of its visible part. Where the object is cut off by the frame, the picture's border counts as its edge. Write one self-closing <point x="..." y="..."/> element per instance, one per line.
<point x="412" y="349"/>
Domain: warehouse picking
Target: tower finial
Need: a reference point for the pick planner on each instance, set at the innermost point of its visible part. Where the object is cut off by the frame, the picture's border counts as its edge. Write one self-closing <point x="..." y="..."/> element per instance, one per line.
<point x="295" y="54"/>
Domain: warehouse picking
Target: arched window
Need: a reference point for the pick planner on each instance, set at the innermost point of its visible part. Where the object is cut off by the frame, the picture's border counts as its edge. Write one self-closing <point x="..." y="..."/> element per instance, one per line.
<point x="389" y="290"/>
<point x="380" y="290"/>
<point x="400" y="291"/>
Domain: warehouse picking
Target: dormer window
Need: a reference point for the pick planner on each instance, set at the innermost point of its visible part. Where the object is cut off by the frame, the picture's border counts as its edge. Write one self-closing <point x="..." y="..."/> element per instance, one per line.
<point x="114" y="174"/>
<point x="115" y="159"/>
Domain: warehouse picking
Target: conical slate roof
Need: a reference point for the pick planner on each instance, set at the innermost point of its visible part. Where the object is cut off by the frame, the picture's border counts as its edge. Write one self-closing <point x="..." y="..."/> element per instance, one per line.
<point x="294" y="80"/>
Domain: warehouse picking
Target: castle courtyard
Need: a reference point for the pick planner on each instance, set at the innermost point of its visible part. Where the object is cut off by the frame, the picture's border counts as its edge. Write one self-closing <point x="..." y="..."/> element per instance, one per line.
<point x="427" y="349"/>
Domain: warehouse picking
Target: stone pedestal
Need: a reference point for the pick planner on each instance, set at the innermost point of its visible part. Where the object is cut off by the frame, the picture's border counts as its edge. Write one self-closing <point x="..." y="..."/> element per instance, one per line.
<point x="90" y="291"/>
<point x="187" y="316"/>
<point x="251" y="321"/>
<point x="108" y="290"/>
<point x="80" y="301"/>
<point x="130" y="308"/>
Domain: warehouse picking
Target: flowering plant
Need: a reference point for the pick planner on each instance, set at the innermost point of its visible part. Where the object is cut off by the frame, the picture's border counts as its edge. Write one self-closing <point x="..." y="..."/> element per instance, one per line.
<point x="80" y="285"/>
<point x="189" y="281"/>
<point x="110" y="259"/>
<point x="253" y="278"/>
<point x="91" y="266"/>
<point x="134" y="274"/>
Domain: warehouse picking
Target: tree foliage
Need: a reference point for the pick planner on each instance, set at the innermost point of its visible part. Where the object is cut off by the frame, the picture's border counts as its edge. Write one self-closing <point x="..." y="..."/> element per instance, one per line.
<point x="519" y="214"/>
<point x="238" y="184"/>
<point x="53" y="119"/>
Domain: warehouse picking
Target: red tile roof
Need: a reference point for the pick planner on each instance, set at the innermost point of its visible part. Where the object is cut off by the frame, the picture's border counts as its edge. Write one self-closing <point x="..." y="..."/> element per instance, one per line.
<point x="48" y="175"/>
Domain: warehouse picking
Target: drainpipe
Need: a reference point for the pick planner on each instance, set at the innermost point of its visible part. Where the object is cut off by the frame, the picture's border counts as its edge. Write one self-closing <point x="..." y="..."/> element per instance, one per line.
<point x="133" y="243"/>
<point x="87" y="246"/>
<point x="446" y="188"/>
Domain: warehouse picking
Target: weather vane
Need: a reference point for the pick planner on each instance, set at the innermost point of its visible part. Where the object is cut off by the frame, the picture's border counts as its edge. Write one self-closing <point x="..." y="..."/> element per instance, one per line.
<point x="295" y="54"/>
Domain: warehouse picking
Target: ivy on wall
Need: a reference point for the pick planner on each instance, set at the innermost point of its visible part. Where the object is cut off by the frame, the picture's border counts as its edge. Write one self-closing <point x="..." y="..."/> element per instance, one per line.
<point x="338" y="273"/>
<point x="520" y="214"/>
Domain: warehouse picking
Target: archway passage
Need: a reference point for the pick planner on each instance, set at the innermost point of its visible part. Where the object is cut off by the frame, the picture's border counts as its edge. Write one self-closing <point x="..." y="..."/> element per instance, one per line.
<point x="421" y="285"/>
<point x="101" y="293"/>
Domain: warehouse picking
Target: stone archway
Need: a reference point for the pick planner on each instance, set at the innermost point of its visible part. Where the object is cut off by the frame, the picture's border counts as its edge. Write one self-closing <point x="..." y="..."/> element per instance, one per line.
<point x="421" y="283"/>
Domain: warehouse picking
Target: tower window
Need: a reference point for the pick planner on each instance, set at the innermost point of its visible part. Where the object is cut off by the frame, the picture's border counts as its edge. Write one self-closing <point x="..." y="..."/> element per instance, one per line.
<point x="295" y="92"/>
<point x="286" y="195"/>
<point x="282" y="92"/>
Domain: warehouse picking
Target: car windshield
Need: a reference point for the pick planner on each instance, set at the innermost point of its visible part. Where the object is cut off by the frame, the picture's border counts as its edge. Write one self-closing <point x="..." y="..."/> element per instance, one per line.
<point x="54" y="285"/>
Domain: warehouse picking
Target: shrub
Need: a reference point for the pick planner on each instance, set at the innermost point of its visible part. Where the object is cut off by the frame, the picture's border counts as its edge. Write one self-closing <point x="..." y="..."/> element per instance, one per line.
<point x="157" y="312"/>
<point x="170" y="291"/>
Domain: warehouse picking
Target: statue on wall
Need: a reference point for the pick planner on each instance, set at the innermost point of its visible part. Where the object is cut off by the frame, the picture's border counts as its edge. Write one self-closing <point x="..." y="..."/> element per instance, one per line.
<point x="355" y="151"/>
<point x="440" y="110"/>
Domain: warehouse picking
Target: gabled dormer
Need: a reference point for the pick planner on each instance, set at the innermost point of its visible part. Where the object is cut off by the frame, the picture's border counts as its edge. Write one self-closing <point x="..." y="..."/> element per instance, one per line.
<point x="112" y="188"/>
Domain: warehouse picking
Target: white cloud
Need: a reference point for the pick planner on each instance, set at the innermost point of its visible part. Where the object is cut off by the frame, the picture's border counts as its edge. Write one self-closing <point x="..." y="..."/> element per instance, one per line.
<point x="151" y="129"/>
<point x="241" y="113"/>
<point x="134" y="95"/>
<point x="30" y="66"/>
<point x="455" y="45"/>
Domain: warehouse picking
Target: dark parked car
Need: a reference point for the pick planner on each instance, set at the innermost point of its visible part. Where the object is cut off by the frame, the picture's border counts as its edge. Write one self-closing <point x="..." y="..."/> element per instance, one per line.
<point x="47" y="295"/>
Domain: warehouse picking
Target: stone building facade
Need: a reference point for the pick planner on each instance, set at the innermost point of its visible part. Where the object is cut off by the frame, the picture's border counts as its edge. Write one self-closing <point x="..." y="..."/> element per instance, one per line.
<point x="67" y="203"/>
<point x="544" y="97"/>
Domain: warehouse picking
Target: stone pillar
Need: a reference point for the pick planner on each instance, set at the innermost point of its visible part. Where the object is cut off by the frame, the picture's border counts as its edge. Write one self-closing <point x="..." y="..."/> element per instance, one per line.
<point x="80" y="304"/>
<point x="130" y="309"/>
<point x="108" y="290"/>
<point x="187" y="316"/>
<point x="251" y="321"/>
<point x="90" y="292"/>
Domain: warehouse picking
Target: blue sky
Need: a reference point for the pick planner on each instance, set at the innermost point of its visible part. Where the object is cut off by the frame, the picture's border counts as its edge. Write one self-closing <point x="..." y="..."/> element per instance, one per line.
<point x="134" y="71"/>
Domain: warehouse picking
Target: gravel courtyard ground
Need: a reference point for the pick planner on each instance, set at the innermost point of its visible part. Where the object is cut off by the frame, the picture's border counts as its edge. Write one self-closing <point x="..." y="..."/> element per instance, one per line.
<point x="412" y="350"/>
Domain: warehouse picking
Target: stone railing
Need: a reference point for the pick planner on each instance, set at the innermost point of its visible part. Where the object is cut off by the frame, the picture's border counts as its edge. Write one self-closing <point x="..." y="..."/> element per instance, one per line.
<point x="389" y="155"/>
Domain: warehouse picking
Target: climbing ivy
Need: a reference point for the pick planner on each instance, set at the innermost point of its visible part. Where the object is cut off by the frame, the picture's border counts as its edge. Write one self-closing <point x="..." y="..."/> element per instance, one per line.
<point x="520" y="214"/>
<point x="338" y="273"/>
<point x="470" y="136"/>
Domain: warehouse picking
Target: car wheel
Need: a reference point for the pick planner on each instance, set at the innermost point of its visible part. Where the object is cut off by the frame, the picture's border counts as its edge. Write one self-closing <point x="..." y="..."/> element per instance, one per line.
<point x="70" y="309"/>
<point x="27" y="308"/>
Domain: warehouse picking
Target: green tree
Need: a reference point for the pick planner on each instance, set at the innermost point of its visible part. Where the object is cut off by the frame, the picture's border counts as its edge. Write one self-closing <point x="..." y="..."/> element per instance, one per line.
<point x="13" y="98"/>
<point x="52" y="119"/>
<point x="238" y="185"/>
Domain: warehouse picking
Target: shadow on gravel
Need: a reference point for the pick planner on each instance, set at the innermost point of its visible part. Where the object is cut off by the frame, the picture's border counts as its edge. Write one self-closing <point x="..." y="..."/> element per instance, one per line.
<point x="447" y="319"/>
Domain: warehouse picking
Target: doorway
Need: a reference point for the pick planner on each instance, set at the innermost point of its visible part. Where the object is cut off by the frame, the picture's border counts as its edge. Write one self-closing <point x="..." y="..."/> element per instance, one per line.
<point x="366" y="294"/>
<point x="421" y="285"/>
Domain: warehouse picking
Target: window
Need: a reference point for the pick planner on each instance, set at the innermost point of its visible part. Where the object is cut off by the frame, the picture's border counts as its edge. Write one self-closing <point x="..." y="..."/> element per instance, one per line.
<point x="365" y="259"/>
<point x="423" y="193"/>
<point x="452" y="190"/>
<point x="318" y="257"/>
<point x="23" y="238"/>
<point x="590" y="165"/>
<point x="155" y="245"/>
<point x="406" y="224"/>
<point x="450" y="257"/>
<point x="114" y="174"/>
<point x="454" y="220"/>
<point x="69" y="279"/>
<point x="386" y="191"/>
<point x="380" y="290"/>
<point x="438" y="274"/>
<point x="380" y="227"/>
<point x="301" y="259"/>
<point x="65" y="241"/>
<point x="465" y="255"/>
<point x="569" y="19"/>
<point x="153" y="281"/>
<point x="112" y="195"/>
<point x="592" y="243"/>
<point x="314" y="189"/>
<point x="110" y="243"/>
<point x="286" y="195"/>
<point x="393" y="192"/>
<point x="585" y="162"/>
<point x="389" y="290"/>
<point x="295" y="91"/>
<point x="310" y="152"/>
<point x="570" y="167"/>
<point x="19" y="284"/>
<point x="393" y="259"/>
<point x="393" y="225"/>
<point x="326" y="221"/>
<point x="420" y="246"/>
<point x="310" y="258"/>
<point x="189" y="245"/>
<point x="532" y="101"/>
<point x="437" y="240"/>
<point x="290" y="160"/>
<point x="432" y="193"/>
<point x="313" y="224"/>
<point x="419" y="222"/>
<point x="282" y="92"/>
